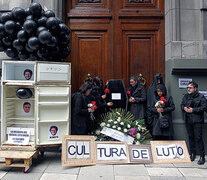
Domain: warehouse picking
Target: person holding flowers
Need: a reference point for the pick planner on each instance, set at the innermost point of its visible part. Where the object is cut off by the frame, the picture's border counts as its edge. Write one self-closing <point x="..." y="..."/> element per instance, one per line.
<point x="161" y="110"/>
<point x="82" y="110"/>
<point x="137" y="97"/>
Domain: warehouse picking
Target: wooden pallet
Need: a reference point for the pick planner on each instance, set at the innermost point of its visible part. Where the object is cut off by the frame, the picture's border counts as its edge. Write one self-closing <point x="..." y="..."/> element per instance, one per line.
<point x="11" y="155"/>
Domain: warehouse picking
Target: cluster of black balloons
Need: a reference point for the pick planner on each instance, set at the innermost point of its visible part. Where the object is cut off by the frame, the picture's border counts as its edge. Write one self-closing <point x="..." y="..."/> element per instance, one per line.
<point x="34" y="34"/>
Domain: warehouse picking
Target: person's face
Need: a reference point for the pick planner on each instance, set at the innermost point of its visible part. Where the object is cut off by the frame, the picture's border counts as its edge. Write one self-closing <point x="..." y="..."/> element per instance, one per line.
<point x="88" y="92"/>
<point x="53" y="131"/>
<point x="158" y="81"/>
<point x="159" y="92"/>
<point x="191" y="89"/>
<point x="27" y="108"/>
<point x="27" y="75"/>
<point x="132" y="82"/>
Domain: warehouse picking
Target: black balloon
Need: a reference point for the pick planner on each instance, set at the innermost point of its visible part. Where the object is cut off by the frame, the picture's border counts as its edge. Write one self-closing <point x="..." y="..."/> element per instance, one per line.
<point x="6" y="17"/>
<point x="22" y="35"/>
<point x="34" y="43"/>
<point x="31" y="17"/>
<point x="10" y="27"/>
<point x="24" y="93"/>
<point x="2" y="46"/>
<point x="7" y="41"/>
<point x="30" y="26"/>
<point x="52" y="23"/>
<point x="42" y="21"/>
<point x="23" y="55"/>
<point x="45" y="37"/>
<point x="53" y="42"/>
<point x="65" y="40"/>
<point x="11" y="52"/>
<point x="18" y="13"/>
<point x="41" y="28"/>
<point x="18" y="45"/>
<point x="27" y="12"/>
<point x="2" y="31"/>
<point x="49" y="13"/>
<point x="33" y="57"/>
<point x="36" y="9"/>
<point x="43" y="53"/>
<point x="64" y="29"/>
<point x="28" y="48"/>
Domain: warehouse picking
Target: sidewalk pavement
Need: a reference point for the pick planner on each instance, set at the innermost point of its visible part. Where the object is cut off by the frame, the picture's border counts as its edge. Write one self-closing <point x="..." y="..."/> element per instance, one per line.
<point x="49" y="168"/>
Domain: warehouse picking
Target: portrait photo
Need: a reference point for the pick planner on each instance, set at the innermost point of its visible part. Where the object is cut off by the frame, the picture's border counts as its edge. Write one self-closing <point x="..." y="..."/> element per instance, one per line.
<point x="28" y="74"/>
<point x="53" y="132"/>
<point x="27" y="108"/>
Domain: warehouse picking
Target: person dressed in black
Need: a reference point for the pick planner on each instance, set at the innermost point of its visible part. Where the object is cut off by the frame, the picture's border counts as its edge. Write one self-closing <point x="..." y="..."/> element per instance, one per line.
<point x="162" y="115"/>
<point x="137" y="98"/>
<point x="193" y="106"/>
<point x="81" y="122"/>
<point x="158" y="79"/>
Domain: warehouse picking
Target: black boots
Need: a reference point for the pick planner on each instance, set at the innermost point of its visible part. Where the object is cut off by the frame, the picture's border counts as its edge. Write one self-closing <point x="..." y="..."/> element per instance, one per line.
<point x="192" y="157"/>
<point x="201" y="160"/>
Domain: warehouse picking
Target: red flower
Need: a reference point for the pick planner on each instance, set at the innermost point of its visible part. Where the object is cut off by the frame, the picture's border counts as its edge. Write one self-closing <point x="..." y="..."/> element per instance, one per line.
<point x="95" y="107"/>
<point x="128" y="92"/>
<point x="162" y="99"/>
<point x="106" y="91"/>
<point x="93" y="102"/>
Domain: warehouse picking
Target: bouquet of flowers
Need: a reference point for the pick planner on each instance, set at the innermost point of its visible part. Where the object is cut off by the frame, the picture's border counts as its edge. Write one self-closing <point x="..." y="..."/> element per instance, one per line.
<point x="92" y="105"/>
<point x="160" y="103"/>
<point x="120" y="120"/>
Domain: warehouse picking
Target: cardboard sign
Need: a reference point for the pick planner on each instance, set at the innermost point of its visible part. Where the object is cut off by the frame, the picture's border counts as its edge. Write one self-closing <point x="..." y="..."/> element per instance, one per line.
<point x="140" y="154"/>
<point x="111" y="152"/>
<point x="78" y="150"/>
<point x="183" y="82"/>
<point x="20" y="137"/>
<point x="169" y="151"/>
<point x="117" y="135"/>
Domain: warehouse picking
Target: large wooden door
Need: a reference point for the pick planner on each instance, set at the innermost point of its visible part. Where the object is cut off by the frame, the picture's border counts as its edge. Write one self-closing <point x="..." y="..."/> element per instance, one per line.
<point x="116" y="39"/>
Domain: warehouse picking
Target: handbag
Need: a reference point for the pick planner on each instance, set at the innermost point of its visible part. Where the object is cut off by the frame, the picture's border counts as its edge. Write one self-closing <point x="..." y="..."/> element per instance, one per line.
<point x="164" y="123"/>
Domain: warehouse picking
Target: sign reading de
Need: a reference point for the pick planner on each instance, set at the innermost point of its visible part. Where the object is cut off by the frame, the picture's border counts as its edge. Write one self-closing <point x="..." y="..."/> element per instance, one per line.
<point x="140" y="154"/>
<point x="169" y="151"/>
<point x="20" y="137"/>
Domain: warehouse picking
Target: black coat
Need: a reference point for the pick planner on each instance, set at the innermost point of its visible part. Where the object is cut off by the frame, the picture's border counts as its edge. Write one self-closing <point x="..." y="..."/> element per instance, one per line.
<point x="138" y="107"/>
<point x="168" y="108"/>
<point x="198" y="102"/>
<point x="80" y="115"/>
<point x="150" y="98"/>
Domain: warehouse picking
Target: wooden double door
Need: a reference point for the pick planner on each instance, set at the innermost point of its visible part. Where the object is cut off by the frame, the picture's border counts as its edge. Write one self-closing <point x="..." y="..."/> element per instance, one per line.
<point x="116" y="39"/>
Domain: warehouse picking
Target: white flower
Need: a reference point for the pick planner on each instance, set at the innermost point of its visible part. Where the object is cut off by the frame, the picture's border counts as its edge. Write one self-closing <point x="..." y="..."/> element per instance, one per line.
<point x="102" y="124"/>
<point x="114" y="127"/>
<point x="137" y="143"/>
<point x="139" y="128"/>
<point x="95" y="137"/>
<point x="115" y="122"/>
<point x="110" y="120"/>
<point x="137" y="123"/>
<point x="118" y="113"/>
<point x="125" y="130"/>
<point x="118" y="119"/>
<point x="98" y="132"/>
<point x="122" y="123"/>
<point x="108" y="125"/>
<point x="128" y="125"/>
<point x="138" y="135"/>
<point x="118" y="128"/>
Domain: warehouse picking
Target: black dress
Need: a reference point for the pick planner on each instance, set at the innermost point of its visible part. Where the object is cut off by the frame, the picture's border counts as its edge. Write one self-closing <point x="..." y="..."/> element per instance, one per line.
<point x="81" y="122"/>
<point x="137" y="108"/>
<point x="163" y="133"/>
